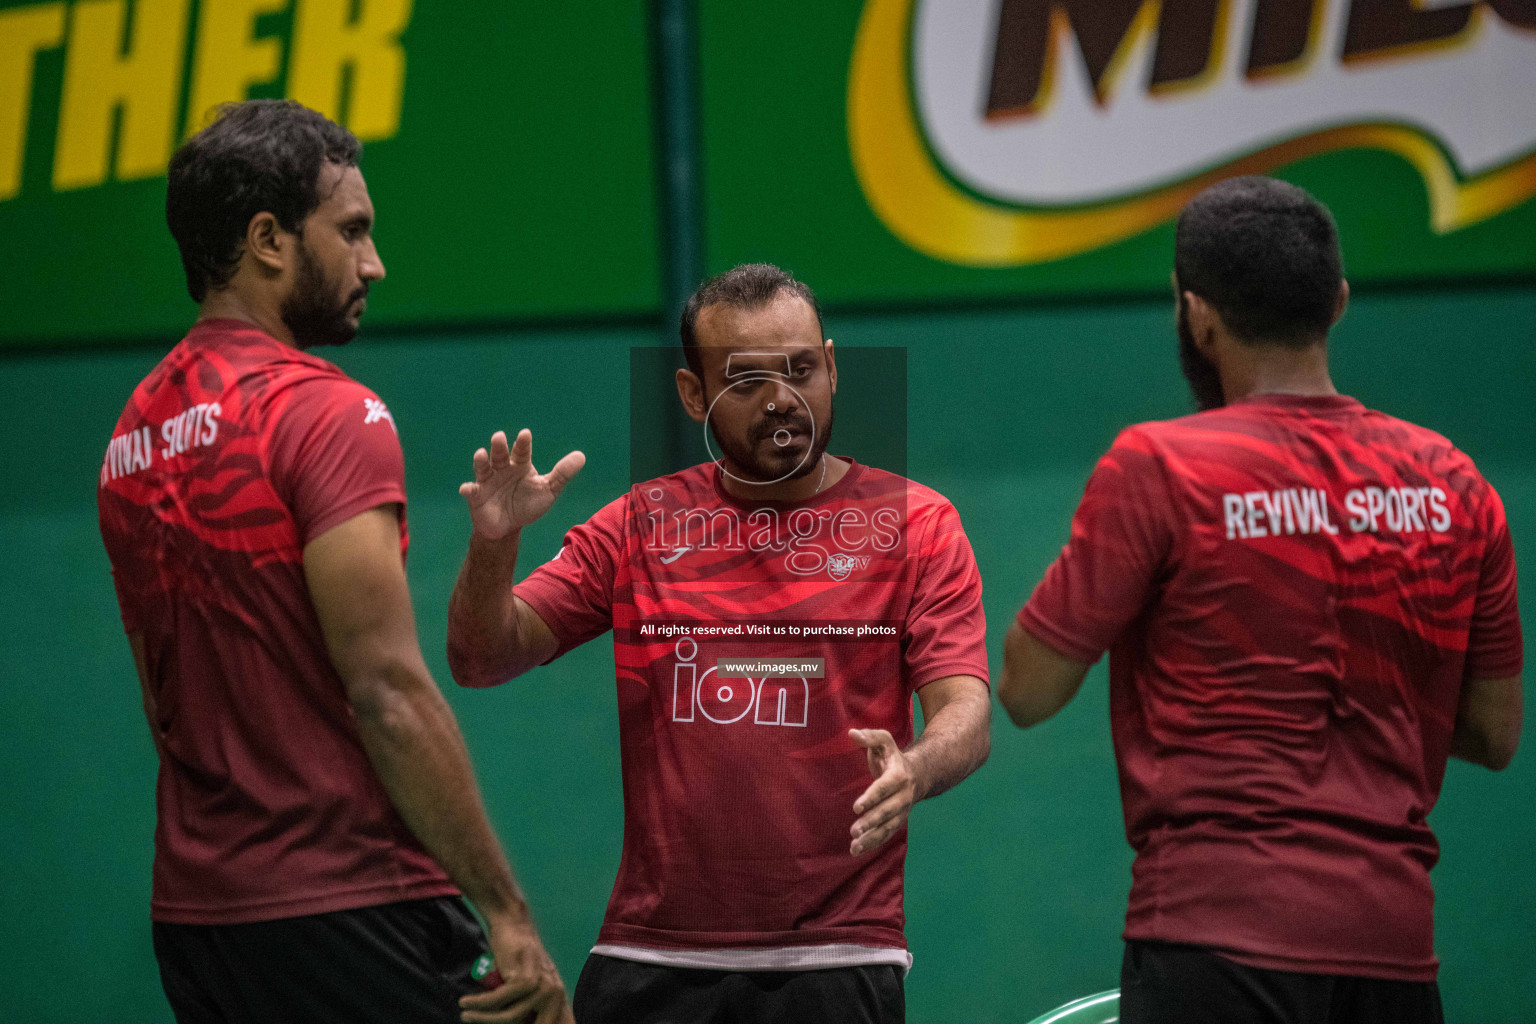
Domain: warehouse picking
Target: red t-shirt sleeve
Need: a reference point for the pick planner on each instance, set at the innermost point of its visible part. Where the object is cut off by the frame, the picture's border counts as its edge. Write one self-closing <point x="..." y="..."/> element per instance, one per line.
<point x="573" y="592"/>
<point x="126" y="607"/>
<point x="1495" y="648"/>
<point x="945" y="632"/>
<point x="333" y="453"/>
<point x="1121" y="539"/>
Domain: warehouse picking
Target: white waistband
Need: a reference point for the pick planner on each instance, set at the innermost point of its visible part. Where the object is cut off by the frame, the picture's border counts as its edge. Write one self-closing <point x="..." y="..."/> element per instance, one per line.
<point x="779" y="958"/>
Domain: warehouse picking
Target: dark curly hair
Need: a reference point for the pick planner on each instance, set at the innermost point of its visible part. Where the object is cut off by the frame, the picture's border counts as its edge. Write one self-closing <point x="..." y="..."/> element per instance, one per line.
<point x="257" y="156"/>
<point x="1265" y="255"/>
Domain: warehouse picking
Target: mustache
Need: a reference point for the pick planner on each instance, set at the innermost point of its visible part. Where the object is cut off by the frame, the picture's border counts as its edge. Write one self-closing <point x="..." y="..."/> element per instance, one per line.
<point x="357" y="293"/>
<point x="770" y="425"/>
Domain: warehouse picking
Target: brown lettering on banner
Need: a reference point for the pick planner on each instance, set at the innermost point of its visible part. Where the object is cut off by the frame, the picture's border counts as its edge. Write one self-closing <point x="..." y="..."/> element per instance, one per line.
<point x="1519" y="13"/>
<point x="1105" y="31"/>
<point x="1282" y="32"/>
<point x="1186" y="41"/>
<point x="1379" y="28"/>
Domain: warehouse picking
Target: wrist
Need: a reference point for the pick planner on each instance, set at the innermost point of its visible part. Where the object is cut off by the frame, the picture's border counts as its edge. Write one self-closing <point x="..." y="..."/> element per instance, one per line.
<point x="508" y="911"/>
<point x="478" y="536"/>
<point x="920" y="780"/>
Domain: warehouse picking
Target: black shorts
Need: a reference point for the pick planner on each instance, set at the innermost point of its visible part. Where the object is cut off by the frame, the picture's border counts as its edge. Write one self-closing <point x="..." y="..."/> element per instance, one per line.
<point x="614" y="991"/>
<point x="400" y="962"/>
<point x="1169" y="983"/>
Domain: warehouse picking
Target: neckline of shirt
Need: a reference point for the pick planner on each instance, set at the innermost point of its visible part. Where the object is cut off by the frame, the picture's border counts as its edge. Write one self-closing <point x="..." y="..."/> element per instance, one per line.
<point x="855" y="470"/>
<point x="220" y="328"/>
<point x="1303" y="403"/>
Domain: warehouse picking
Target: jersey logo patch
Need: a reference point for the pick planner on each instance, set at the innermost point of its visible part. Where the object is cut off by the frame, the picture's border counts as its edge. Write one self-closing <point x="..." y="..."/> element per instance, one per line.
<point x="377" y="411"/>
<point x="839" y="565"/>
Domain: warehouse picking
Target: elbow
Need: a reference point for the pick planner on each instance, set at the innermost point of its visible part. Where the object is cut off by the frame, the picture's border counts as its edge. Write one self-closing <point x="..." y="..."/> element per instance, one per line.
<point x="470" y="669"/>
<point x="464" y="670"/>
<point x="384" y="698"/>
<point x="1490" y="747"/>
<point x="1500" y="750"/>
<point x="1019" y="712"/>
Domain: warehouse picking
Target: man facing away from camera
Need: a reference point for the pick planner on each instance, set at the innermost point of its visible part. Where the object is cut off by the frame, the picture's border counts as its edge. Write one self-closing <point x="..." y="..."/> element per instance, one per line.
<point x="317" y="813"/>
<point x="1309" y="606"/>
<point x="773" y="613"/>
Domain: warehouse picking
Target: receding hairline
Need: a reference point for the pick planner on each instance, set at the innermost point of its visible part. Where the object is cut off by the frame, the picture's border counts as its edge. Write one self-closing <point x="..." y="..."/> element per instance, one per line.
<point x="735" y="309"/>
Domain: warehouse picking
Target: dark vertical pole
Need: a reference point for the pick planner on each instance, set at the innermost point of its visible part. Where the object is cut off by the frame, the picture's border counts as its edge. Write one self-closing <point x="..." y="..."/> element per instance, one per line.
<point x="675" y="77"/>
<point x="677" y="103"/>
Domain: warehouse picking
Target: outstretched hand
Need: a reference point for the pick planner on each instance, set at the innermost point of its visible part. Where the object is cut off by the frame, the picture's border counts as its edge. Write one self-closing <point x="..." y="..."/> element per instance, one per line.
<point x="883" y="807"/>
<point x="507" y="494"/>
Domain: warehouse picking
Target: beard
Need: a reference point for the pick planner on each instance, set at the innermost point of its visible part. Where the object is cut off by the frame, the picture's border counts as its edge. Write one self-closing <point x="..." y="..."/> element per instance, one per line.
<point x="311" y="312"/>
<point x="1200" y="372"/>
<point x="790" y="462"/>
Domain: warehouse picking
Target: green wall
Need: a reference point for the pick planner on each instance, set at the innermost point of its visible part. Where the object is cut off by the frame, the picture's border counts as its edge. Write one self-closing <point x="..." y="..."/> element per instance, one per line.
<point x="1016" y="880"/>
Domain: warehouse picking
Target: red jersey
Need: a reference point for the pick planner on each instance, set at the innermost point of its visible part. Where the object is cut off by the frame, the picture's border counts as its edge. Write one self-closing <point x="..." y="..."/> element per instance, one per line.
<point x="739" y="782"/>
<point x="1292" y="590"/>
<point x="233" y="454"/>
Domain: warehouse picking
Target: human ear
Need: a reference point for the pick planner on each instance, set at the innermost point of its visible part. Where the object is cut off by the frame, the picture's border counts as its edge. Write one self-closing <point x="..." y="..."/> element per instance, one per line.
<point x="691" y="391"/>
<point x="267" y="242"/>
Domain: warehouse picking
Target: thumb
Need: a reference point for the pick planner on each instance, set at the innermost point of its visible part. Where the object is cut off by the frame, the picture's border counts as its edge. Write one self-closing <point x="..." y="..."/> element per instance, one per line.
<point x="875" y="743"/>
<point x="873" y="739"/>
<point x="564" y="470"/>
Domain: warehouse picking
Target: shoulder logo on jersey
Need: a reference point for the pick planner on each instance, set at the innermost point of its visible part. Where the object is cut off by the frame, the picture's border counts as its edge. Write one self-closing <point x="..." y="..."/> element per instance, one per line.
<point x="378" y="411"/>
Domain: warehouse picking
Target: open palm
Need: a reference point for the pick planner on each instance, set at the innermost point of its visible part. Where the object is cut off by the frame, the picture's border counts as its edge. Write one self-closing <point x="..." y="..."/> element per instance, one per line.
<point x="507" y="494"/>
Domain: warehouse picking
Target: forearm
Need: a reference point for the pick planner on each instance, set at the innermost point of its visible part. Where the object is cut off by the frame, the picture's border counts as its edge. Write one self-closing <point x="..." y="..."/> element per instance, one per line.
<point x="955" y="742"/>
<point x="483" y="630"/>
<point x="415" y="746"/>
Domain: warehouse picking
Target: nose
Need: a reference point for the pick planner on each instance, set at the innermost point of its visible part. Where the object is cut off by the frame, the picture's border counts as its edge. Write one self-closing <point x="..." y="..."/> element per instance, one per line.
<point x="780" y="395"/>
<point x="372" y="268"/>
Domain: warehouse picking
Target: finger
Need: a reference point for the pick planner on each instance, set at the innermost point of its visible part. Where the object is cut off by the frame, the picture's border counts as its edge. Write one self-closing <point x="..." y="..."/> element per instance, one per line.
<point x="880" y="814"/>
<point x="516" y="1013"/>
<point x="878" y="748"/>
<point x="874" y="739"/>
<point x="878" y="838"/>
<point x="883" y="788"/>
<point x="512" y="1014"/>
<point x="508" y="992"/>
<point x="555" y="1012"/>
<point x="469" y="491"/>
<point x="482" y="465"/>
<point x="534" y="1007"/>
<point x="499" y="452"/>
<point x="522" y="448"/>
<point x="564" y="470"/>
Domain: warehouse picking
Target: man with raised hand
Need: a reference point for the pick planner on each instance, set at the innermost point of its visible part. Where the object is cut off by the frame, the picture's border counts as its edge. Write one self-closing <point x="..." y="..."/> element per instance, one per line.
<point x="318" y="815"/>
<point x="1308" y="606"/>
<point x="773" y="613"/>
